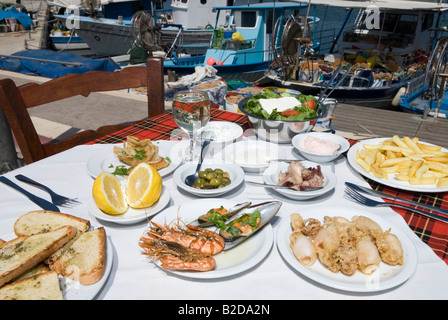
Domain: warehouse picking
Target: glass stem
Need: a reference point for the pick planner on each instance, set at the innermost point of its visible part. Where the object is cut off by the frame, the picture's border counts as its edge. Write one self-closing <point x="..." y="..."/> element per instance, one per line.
<point x="192" y="145"/>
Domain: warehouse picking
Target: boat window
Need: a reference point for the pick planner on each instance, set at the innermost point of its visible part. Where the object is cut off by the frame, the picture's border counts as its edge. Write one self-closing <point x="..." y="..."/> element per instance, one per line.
<point x="203" y="1"/>
<point x="245" y="19"/>
<point x="407" y="24"/>
<point x="428" y="20"/>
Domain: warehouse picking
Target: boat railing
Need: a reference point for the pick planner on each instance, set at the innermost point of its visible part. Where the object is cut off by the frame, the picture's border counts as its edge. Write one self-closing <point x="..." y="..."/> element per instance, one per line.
<point x="235" y="45"/>
<point x="245" y="57"/>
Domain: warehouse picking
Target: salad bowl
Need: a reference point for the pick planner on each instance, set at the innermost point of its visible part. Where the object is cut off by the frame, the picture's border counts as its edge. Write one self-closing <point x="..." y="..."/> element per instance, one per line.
<point x="279" y="131"/>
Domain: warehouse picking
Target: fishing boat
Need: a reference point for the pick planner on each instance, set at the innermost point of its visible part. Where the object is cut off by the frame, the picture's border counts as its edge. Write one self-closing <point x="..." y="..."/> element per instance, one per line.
<point x="182" y="23"/>
<point x="430" y="97"/>
<point x="246" y="47"/>
<point x="370" y="64"/>
<point x="67" y="41"/>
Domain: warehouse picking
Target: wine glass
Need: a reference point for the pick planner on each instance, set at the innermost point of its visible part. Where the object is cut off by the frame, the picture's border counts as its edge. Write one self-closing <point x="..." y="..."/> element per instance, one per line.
<point x="191" y="112"/>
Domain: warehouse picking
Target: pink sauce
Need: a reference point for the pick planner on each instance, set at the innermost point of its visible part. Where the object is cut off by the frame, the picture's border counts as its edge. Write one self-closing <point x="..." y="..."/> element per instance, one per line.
<point x="319" y="145"/>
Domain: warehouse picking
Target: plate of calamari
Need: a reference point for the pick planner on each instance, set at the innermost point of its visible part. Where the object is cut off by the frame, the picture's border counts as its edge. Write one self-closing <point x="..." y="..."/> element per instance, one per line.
<point x="226" y="238"/>
<point x="347" y="249"/>
<point x="121" y="158"/>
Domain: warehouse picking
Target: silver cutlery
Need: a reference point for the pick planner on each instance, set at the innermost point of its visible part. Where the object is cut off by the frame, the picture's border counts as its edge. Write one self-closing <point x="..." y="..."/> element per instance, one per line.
<point x="57" y="199"/>
<point x="44" y="204"/>
<point x="355" y="196"/>
<point x="394" y="198"/>
<point x="191" y="179"/>
<point x="259" y="184"/>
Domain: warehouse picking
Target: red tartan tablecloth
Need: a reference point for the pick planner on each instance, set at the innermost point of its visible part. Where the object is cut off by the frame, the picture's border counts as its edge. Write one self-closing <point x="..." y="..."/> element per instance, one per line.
<point x="432" y="232"/>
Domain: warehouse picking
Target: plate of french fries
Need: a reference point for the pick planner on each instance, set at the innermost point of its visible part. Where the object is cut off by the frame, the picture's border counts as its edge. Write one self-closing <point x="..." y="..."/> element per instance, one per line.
<point x="402" y="162"/>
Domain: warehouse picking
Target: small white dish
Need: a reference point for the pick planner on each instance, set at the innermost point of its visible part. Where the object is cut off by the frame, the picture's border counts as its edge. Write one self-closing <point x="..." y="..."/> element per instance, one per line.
<point x="132" y="215"/>
<point x="297" y="142"/>
<point x="253" y="155"/>
<point x="222" y="131"/>
<point x="235" y="172"/>
<point x="270" y="176"/>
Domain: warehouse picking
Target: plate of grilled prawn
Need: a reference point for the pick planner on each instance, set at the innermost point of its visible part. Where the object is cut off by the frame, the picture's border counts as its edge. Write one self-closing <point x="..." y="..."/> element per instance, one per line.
<point x="206" y="238"/>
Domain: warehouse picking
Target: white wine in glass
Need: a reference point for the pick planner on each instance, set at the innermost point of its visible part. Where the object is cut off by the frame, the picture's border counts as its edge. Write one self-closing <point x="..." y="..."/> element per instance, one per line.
<point x="191" y="112"/>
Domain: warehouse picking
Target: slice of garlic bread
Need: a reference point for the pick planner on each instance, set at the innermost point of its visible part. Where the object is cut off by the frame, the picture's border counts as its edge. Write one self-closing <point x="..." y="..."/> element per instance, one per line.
<point x="23" y="253"/>
<point x="85" y="259"/>
<point x="44" y="286"/>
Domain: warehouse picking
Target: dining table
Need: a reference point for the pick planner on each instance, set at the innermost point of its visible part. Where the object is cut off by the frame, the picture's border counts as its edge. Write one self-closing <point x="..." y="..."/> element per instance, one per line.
<point x="131" y="275"/>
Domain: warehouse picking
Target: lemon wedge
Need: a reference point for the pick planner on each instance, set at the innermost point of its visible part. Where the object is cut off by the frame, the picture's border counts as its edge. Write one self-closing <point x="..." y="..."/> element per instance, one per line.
<point x="143" y="186"/>
<point x="109" y="195"/>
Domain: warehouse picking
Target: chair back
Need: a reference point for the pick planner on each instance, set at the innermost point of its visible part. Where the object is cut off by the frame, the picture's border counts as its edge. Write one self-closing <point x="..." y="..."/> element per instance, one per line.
<point x="15" y="102"/>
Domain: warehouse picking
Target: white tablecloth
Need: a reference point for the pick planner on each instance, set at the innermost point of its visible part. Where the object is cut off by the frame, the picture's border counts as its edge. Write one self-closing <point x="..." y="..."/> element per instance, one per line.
<point x="134" y="277"/>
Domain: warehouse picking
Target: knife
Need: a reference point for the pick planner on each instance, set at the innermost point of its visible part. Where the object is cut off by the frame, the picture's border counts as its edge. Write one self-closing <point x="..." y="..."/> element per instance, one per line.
<point x="394" y="198"/>
<point x="44" y="204"/>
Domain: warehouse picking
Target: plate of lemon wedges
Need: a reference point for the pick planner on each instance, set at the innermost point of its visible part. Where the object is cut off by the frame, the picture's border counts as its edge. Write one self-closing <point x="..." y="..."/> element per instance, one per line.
<point x="129" y="201"/>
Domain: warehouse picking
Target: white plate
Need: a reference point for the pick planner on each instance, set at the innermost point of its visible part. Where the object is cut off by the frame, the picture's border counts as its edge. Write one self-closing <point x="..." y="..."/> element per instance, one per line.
<point x="71" y="290"/>
<point x="392" y="181"/>
<point x="222" y="131"/>
<point x="132" y="215"/>
<point x="235" y="172"/>
<point x="252" y="155"/>
<point x="385" y="277"/>
<point x="106" y="160"/>
<point x="239" y="259"/>
<point x="270" y="176"/>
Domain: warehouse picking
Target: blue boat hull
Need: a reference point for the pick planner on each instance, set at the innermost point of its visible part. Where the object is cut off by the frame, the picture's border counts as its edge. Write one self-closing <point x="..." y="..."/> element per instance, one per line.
<point x="415" y="103"/>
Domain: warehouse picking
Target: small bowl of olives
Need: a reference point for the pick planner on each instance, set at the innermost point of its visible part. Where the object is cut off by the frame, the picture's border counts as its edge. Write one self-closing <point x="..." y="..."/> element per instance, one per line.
<point x="214" y="178"/>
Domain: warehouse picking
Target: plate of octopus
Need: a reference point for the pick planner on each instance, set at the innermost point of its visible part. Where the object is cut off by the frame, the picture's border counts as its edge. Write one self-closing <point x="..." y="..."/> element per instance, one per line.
<point x="347" y="249"/>
<point x="180" y="243"/>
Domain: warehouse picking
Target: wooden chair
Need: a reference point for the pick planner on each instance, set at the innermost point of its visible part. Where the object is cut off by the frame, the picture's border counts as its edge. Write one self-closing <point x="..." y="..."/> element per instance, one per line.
<point x="16" y="100"/>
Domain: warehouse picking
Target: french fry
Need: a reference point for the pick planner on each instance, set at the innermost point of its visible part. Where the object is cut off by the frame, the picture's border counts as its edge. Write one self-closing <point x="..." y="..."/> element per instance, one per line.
<point x="402" y="177"/>
<point x="420" y="171"/>
<point x="399" y="142"/>
<point x="391" y="162"/>
<point x="362" y="163"/>
<point x="392" y="169"/>
<point x="436" y="159"/>
<point x="412" y="145"/>
<point x="418" y="181"/>
<point x="442" y="183"/>
<point x="414" y="168"/>
<point x="396" y="149"/>
<point x="426" y="147"/>
<point x="378" y="172"/>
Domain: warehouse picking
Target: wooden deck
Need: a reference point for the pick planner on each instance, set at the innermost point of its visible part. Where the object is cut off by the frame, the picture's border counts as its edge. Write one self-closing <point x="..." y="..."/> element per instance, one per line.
<point x="384" y="123"/>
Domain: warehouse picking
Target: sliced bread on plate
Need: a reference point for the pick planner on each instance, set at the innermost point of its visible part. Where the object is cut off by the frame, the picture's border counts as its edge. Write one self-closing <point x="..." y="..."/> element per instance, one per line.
<point x="23" y="253"/>
<point x="85" y="260"/>
<point x="44" y="220"/>
<point x="44" y="286"/>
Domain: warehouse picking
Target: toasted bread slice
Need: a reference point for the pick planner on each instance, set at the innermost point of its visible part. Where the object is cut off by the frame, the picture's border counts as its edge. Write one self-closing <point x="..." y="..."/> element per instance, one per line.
<point x="44" y="221"/>
<point x="23" y="253"/>
<point x="85" y="260"/>
<point x="44" y="286"/>
<point x="34" y="271"/>
<point x="2" y="242"/>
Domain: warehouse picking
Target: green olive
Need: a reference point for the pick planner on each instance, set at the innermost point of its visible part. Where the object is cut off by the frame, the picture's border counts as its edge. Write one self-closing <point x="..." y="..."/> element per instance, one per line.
<point x="219" y="171"/>
<point x="203" y="174"/>
<point x="211" y="176"/>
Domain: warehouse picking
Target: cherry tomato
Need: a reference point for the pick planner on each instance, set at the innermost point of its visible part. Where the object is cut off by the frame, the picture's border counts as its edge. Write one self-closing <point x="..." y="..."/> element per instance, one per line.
<point x="289" y="113"/>
<point x="311" y="104"/>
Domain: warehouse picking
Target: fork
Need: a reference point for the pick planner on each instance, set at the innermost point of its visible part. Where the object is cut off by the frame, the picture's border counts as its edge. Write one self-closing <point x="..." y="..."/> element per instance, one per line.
<point x="57" y="199"/>
<point x="359" y="198"/>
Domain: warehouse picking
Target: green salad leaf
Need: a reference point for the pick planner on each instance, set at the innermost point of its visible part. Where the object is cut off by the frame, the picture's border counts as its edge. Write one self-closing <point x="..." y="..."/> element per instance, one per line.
<point x="254" y="107"/>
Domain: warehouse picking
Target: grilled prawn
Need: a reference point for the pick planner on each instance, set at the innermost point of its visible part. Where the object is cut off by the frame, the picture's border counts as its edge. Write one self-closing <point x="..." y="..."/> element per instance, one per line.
<point x="174" y="256"/>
